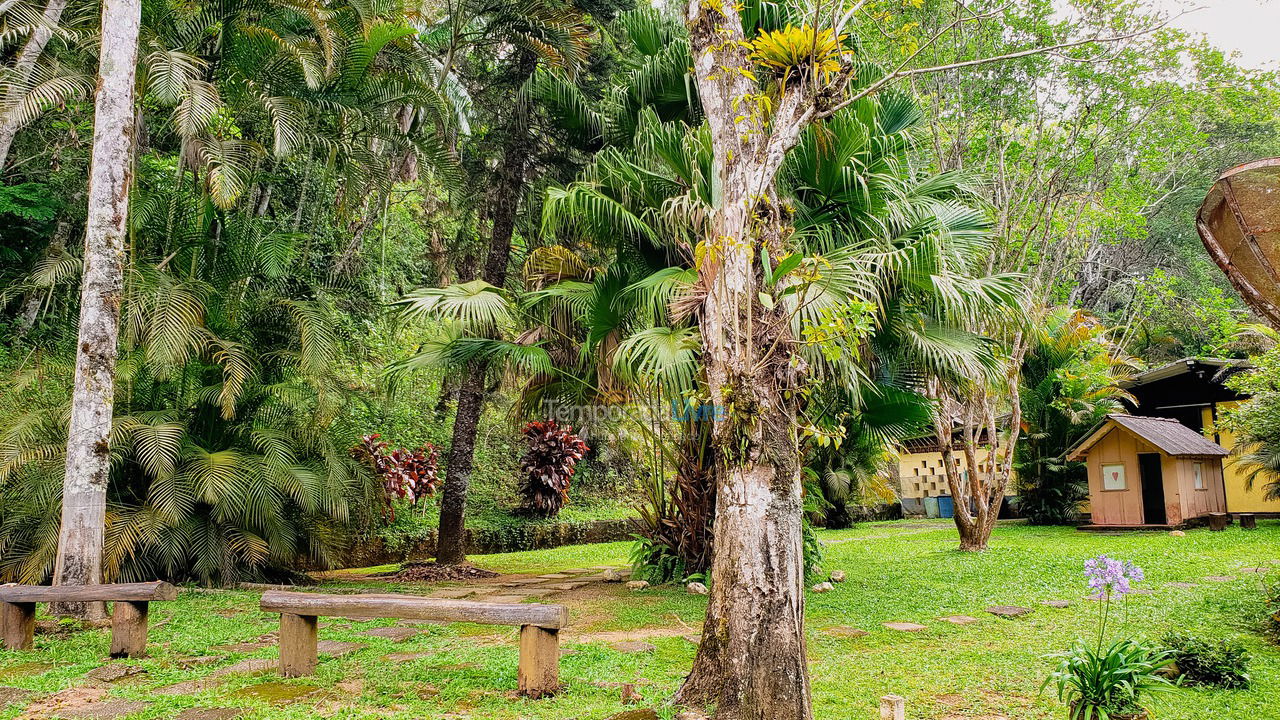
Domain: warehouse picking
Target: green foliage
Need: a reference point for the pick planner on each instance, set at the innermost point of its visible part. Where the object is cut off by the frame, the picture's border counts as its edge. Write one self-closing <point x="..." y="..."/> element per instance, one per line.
<point x="32" y="202"/>
<point x="1110" y="682"/>
<point x="1222" y="663"/>
<point x="1256" y="423"/>
<point x="1070" y="380"/>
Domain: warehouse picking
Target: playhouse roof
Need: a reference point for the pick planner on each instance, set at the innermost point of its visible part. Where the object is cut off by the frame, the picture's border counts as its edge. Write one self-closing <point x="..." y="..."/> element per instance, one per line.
<point x="1169" y="436"/>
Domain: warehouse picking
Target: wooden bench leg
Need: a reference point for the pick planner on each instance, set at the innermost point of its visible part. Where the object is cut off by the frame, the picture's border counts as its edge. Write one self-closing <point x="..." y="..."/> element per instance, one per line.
<point x="129" y="629"/>
<point x="297" y="644"/>
<point x="19" y="623"/>
<point x="539" y="673"/>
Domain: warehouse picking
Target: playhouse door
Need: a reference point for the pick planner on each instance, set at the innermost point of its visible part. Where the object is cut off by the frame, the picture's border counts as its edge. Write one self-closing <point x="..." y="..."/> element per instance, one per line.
<point x="1152" y="489"/>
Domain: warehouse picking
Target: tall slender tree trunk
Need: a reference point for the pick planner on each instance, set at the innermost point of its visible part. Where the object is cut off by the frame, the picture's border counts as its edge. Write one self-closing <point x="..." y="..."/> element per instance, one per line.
<point x="502" y="204"/>
<point x="23" y="68"/>
<point x="84" y="494"/>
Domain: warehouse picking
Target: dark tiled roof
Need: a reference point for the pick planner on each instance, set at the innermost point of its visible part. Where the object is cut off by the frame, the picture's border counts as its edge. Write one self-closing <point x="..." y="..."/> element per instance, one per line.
<point x="1170" y="436"/>
<point x="1178" y="367"/>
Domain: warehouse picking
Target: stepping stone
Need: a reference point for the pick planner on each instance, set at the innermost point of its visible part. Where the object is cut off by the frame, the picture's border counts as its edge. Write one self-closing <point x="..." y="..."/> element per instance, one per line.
<point x="214" y="713"/>
<point x="489" y="590"/>
<point x="451" y="593"/>
<point x="13" y="695"/>
<point x="399" y="634"/>
<point x="1008" y="611"/>
<point x="405" y="656"/>
<point x="104" y="710"/>
<point x="577" y="571"/>
<point x="24" y="669"/>
<point x="245" y="667"/>
<point x="960" y="619"/>
<point x="199" y="661"/>
<point x="243" y="647"/>
<point x="555" y="576"/>
<point x="337" y="648"/>
<point x="845" y="631"/>
<point x="641" y="714"/>
<point x="504" y="599"/>
<point x="695" y="639"/>
<point x="1219" y="578"/>
<point x="114" y="672"/>
<point x="1183" y="585"/>
<point x="1255" y="570"/>
<point x="523" y="581"/>
<point x="566" y="586"/>
<point x="634" y="646"/>
<point x="905" y="626"/>
<point x="278" y="693"/>
<point x="538" y="592"/>
<point x="1056" y="604"/>
<point x="1141" y="591"/>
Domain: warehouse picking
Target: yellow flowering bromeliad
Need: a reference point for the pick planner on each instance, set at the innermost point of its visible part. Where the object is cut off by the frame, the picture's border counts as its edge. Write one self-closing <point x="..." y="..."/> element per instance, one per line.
<point x="796" y="47"/>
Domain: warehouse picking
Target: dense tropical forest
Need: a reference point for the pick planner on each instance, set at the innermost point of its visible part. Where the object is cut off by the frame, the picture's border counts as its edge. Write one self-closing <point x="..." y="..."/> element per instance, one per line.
<point x="337" y="271"/>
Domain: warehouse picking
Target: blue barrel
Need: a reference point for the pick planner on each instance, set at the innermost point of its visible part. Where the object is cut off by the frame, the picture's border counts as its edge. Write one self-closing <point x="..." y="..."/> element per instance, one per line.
<point x="946" y="508"/>
<point x="931" y="507"/>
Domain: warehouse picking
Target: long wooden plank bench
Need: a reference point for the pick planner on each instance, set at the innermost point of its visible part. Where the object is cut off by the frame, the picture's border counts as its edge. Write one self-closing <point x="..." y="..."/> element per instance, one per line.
<point x="539" y="668"/>
<point x="128" y="620"/>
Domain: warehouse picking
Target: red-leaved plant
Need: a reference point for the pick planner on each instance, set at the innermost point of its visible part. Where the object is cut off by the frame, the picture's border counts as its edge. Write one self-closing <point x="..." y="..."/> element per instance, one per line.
<point x="405" y="474"/>
<point x="548" y="465"/>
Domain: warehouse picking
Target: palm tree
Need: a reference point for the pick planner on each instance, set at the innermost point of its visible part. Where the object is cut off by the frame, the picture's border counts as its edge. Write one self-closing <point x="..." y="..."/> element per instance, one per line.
<point x="222" y="462"/>
<point x="1070" y="381"/>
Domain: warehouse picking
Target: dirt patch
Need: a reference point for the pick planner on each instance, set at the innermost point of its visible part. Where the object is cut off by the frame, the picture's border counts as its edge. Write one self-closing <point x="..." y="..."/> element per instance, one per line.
<point x="65" y="702"/>
<point x="432" y="572"/>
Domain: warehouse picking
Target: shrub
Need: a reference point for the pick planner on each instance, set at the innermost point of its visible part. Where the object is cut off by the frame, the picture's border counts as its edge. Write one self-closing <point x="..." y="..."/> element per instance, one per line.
<point x="548" y="466"/>
<point x="1215" y="663"/>
<point x="408" y="475"/>
<point x="1271" y="624"/>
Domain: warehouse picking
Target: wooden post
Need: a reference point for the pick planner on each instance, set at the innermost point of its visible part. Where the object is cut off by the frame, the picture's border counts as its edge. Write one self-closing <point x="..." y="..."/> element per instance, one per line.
<point x="1248" y="521"/>
<point x="19" y="623"/>
<point x="893" y="707"/>
<point x="1217" y="521"/>
<point x="297" y="644"/>
<point x="539" y="673"/>
<point x="129" y="629"/>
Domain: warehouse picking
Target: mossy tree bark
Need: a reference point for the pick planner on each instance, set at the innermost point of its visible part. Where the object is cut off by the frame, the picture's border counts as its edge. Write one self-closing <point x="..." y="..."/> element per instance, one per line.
<point x="502" y="204"/>
<point x="88" y="465"/>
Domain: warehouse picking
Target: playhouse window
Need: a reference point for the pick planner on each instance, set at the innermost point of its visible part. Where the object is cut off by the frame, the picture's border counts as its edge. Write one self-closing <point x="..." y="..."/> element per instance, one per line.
<point x="1113" y="477"/>
<point x="1199" y="475"/>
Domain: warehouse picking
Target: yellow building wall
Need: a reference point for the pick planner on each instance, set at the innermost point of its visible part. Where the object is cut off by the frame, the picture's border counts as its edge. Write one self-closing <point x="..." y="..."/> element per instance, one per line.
<point x="1239" y="498"/>
<point x="923" y="475"/>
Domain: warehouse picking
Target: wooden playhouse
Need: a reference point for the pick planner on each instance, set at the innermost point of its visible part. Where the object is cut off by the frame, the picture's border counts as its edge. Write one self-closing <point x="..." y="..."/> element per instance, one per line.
<point x="1150" y="472"/>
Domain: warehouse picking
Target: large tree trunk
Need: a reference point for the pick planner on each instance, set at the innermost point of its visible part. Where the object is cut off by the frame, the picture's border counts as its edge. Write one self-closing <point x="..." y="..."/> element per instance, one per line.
<point x="84" y="494"/>
<point x="751" y="661"/>
<point x="23" y="67"/>
<point x="501" y="206"/>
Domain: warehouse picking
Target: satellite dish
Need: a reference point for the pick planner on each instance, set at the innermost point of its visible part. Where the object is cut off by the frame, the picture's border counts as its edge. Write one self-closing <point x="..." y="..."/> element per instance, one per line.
<point x="1239" y="223"/>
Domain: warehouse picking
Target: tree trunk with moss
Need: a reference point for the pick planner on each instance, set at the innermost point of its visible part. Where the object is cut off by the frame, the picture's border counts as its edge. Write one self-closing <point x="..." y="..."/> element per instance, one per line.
<point x="751" y="661"/>
<point x="501" y="206"/>
<point x="88" y="465"/>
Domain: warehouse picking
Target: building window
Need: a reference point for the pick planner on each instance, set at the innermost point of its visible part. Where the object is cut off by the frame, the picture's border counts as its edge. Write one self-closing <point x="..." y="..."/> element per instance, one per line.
<point x="1199" y="474"/>
<point x="1113" y="477"/>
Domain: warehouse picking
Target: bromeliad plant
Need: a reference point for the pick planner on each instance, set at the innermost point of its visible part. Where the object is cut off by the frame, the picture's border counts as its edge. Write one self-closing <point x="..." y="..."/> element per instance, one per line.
<point x="548" y="466"/>
<point x="408" y="475"/>
<point x="1107" y="681"/>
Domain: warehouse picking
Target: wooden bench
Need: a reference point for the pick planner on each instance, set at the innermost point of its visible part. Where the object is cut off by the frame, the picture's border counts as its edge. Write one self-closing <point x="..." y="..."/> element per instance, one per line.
<point x="128" y="620"/>
<point x="539" y="669"/>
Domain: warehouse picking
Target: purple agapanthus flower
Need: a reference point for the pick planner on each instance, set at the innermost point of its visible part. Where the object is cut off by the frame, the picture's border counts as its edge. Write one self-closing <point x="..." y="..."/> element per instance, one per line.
<point x="1108" y="576"/>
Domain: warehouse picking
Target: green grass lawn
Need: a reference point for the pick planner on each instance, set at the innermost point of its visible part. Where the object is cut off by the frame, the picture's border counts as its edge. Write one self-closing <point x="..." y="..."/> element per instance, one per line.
<point x="904" y="571"/>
